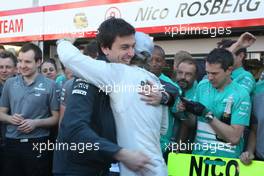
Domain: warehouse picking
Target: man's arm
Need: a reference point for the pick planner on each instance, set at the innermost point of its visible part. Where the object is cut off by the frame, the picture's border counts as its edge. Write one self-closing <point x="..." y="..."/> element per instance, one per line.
<point x="16" y="119"/>
<point x="62" y="110"/>
<point x="65" y="91"/>
<point x="223" y="130"/>
<point x="230" y="133"/>
<point x="167" y="96"/>
<point x="76" y="125"/>
<point x="164" y="121"/>
<point x="97" y="72"/>
<point x="240" y="116"/>
<point x="244" y="41"/>
<point x="3" y="115"/>
<point x="134" y="160"/>
<point x="247" y="156"/>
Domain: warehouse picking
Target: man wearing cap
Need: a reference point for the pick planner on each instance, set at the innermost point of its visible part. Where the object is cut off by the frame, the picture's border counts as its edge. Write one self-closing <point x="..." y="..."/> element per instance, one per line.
<point x="138" y="125"/>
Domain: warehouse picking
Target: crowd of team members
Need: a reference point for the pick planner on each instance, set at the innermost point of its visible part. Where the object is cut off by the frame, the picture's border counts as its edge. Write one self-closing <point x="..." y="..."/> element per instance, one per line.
<point x="222" y="111"/>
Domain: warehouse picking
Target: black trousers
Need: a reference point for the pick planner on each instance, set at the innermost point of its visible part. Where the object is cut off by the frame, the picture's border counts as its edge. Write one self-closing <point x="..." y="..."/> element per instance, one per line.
<point x="103" y="173"/>
<point x="1" y="158"/>
<point x="19" y="159"/>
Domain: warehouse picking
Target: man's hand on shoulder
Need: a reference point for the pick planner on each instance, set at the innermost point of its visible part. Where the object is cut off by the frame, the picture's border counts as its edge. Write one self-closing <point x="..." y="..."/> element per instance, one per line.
<point x="134" y="160"/>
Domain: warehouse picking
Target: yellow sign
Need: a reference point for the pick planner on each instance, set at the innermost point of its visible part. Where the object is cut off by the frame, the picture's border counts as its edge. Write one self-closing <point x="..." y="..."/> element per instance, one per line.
<point x="197" y="165"/>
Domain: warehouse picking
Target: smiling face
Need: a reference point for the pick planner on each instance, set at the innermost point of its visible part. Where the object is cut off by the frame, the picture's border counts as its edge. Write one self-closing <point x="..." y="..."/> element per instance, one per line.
<point x="27" y="65"/>
<point x="7" y="68"/>
<point x="122" y="50"/>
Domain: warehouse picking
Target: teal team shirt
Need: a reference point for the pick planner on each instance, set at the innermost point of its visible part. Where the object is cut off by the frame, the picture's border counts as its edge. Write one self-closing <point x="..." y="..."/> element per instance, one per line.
<point x="206" y="142"/>
<point x="189" y="94"/>
<point x="244" y="78"/>
<point x="165" y="139"/>
<point x="175" y="122"/>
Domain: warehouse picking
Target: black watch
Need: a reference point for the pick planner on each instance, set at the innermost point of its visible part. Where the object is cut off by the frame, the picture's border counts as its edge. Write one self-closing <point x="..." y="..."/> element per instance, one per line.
<point x="164" y="98"/>
<point x="209" y="117"/>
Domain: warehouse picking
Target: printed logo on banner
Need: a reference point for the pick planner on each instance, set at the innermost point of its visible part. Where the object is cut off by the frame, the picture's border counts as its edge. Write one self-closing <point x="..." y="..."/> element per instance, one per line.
<point x="112" y="12"/>
<point x="80" y="21"/>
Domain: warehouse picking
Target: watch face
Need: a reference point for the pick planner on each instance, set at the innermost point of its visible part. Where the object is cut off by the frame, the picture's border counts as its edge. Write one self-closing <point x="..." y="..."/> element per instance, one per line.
<point x="209" y="117"/>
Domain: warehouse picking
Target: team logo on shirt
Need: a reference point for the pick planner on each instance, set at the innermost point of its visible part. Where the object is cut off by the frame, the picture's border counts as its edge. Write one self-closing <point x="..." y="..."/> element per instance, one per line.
<point x="40" y="87"/>
<point x="80" y="87"/>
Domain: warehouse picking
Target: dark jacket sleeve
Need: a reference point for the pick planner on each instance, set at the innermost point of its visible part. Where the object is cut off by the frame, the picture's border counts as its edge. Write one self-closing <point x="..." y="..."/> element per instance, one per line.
<point x="172" y="90"/>
<point x="80" y="123"/>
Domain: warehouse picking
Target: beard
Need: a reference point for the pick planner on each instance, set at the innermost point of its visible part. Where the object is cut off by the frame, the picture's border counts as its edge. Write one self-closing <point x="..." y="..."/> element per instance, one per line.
<point x="183" y="84"/>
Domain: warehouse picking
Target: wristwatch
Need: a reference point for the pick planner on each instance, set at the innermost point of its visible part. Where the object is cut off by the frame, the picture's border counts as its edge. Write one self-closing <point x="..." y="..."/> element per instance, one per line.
<point x="209" y="117"/>
<point x="164" y="98"/>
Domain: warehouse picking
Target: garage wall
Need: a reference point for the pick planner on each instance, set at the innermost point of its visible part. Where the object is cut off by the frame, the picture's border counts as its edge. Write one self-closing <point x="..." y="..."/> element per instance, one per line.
<point x="201" y="46"/>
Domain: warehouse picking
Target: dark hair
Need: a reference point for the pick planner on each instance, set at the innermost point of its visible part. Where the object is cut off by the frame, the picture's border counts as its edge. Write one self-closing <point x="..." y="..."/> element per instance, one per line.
<point x="50" y="60"/>
<point x="8" y="54"/>
<point x="221" y="56"/>
<point x="226" y="43"/>
<point x="91" y="49"/>
<point x="110" y="29"/>
<point x="190" y="62"/>
<point x="161" y="51"/>
<point x="2" y="47"/>
<point x="30" y="46"/>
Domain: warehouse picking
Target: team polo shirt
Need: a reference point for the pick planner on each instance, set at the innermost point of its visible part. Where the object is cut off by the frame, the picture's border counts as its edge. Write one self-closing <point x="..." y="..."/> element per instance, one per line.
<point x="215" y="101"/>
<point x="138" y="124"/>
<point x="190" y="93"/>
<point x="165" y="139"/>
<point x="258" y="111"/>
<point x="244" y="78"/>
<point x="1" y="89"/>
<point x="34" y="101"/>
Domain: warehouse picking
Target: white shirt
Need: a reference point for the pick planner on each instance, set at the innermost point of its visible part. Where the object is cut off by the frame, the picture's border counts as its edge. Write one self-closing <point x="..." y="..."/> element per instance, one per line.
<point x="138" y="125"/>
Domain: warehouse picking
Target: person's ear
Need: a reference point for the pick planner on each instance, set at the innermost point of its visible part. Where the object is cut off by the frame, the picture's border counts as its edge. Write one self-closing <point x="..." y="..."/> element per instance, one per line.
<point x="105" y="50"/>
<point x="39" y="63"/>
<point x="230" y="69"/>
<point x="242" y="56"/>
